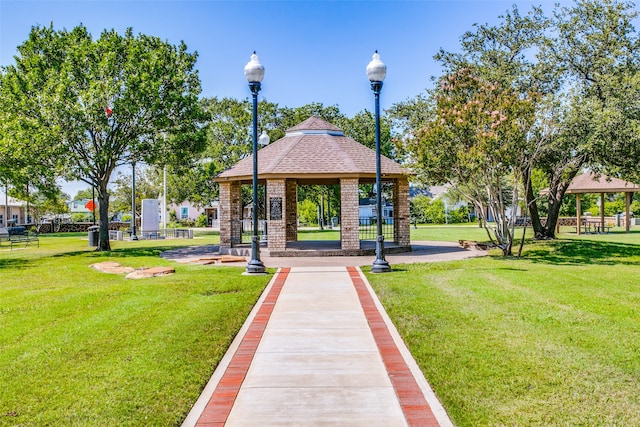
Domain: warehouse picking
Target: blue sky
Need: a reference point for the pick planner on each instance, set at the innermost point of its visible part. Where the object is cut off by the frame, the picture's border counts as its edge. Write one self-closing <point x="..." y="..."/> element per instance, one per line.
<point x="313" y="51"/>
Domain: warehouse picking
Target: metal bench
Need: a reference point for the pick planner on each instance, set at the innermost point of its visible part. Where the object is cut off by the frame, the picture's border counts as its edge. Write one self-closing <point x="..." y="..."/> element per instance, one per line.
<point x="4" y="235"/>
<point x="25" y="239"/>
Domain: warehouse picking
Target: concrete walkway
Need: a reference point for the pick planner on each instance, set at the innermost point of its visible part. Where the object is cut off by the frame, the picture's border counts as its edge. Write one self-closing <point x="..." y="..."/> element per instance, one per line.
<point x="318" y="350"/>
<point x="422" y="251"/>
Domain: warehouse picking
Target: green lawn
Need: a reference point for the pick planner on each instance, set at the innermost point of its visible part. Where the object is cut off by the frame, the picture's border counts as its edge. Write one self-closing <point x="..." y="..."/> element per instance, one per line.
<point x="445" y="233"/>
<point x="80" y="347"/>
<point x="552" y="338"/>
<point x="549" y="339"/>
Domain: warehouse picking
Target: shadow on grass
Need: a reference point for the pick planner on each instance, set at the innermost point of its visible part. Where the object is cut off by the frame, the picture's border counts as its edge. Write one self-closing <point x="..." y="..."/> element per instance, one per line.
<point x="152" y="251"/>
<point x="15" y="263"/>
<point x="584" y="252"/>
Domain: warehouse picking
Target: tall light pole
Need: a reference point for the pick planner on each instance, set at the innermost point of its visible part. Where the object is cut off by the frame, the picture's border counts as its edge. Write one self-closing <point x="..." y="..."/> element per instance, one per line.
<point x="376" y="72"/>
<point x="254" y="73"/>
<point x="133" y="202"/>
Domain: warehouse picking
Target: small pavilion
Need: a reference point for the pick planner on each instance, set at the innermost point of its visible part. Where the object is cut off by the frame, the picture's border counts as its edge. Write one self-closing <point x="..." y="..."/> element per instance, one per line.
<point x="602" y="184"/>
<point x="314" y="152"/>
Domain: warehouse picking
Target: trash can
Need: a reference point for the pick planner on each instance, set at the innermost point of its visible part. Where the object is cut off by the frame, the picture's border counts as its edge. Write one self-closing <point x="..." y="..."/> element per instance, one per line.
<point x="94" y="235"/>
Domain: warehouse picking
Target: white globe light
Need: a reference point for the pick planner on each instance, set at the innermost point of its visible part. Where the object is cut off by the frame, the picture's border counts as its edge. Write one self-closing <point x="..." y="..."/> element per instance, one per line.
<point x="264" y="139"/>
<point x="254" y="70"/>
<point x="376" y="70"/>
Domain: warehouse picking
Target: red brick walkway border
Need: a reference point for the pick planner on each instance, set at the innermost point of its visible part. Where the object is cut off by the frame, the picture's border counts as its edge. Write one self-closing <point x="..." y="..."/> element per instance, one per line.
<point x="414" y="405"/>
<point x="219" y="406"/>
<point x="412" y="401"/>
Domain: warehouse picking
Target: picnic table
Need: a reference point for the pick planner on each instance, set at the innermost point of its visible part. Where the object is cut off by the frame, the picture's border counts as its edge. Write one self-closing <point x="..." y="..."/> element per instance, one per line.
<point x="594" y="225"/>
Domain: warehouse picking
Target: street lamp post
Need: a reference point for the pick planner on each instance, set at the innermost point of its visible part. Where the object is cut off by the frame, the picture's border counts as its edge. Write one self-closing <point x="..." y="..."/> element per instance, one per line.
<point x="254" y="73"/>
<point x="376" y="72"/>
<point x="133" y="202"/>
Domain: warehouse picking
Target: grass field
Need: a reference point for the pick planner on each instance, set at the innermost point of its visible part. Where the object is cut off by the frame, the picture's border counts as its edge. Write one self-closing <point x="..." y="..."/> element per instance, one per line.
<point x="552" y="338"/>
<point x="81" y="347"/>
<point x="549" y="339"/>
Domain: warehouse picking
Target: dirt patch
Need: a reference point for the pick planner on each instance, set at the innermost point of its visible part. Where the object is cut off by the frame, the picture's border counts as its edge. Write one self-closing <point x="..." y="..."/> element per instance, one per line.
<point x="111" y="267"/>
<point x="132" y="273"/>
<point x="145" y="273"/>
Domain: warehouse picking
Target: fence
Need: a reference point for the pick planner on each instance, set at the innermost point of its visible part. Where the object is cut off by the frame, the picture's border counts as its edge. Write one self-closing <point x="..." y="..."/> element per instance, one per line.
<point x="369" y="229"/>
<point x="243" y="230"/>
<point x="167" y="233"/>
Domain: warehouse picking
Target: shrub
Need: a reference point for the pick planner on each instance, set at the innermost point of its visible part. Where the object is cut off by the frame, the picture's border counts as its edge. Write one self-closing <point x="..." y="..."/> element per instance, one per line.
<point x="202" y="221"/>
<point x="80" y="217"/>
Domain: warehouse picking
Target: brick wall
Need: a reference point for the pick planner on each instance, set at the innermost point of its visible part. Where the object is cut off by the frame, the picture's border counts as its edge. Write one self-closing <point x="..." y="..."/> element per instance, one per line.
<point x="230" y="213"/>
<point x="401" y="216"/>
<point x="349" y="214"/>
<point x="291" y="211"/>
<point x="76" y="227"/>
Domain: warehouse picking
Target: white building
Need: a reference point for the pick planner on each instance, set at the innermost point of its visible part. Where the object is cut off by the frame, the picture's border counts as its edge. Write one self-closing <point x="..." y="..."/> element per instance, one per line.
<point x="186" y="210"/>
<point x="12" y="211"/>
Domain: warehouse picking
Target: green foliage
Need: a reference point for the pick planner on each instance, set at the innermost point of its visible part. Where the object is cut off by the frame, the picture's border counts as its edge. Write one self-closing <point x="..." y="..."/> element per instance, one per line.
<point x="52" y="204"/>
<point x="458" y="215"/>
<point x="425" y="210"/>
<point x="435" y="212"/>
<point x="148" y="186"/>
<point x="308" y="212"/>
<point x="87" y="193"/>
<point x="418" y="207"/>
<point x="475" y="141"/>
<point x="80" y="217"/>
<point x="201" y="221"/>
<point x="84" y="106"/>
<point x="581" y="67"/>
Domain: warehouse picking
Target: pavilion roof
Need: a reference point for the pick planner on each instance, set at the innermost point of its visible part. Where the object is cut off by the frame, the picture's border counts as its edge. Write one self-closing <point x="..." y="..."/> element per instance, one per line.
<point x="314" y="149"/>
<point x="590" y="183"/>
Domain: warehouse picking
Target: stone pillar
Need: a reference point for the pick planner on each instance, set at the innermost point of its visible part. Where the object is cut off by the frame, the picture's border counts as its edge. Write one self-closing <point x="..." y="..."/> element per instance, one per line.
<point x="230" y="214"/>
<point x="291" y="210"/>
<point x="401" y="215"/>
<point x="349" y="214"/>
<point x="276" y="214"/>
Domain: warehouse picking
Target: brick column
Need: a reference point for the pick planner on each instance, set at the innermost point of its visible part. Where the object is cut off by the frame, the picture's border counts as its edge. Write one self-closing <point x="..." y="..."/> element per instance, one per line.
<point x="291" y="210"/>
<point x="276" y="228"/>
<point x="349" y="215"/>
<point x="230" y="213"/>
<point x="401" y="216"/>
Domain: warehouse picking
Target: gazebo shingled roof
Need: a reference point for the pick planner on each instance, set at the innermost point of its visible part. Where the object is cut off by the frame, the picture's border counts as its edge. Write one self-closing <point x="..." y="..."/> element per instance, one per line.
<point x="589" y="183"/>
<point x="314" y="148"/>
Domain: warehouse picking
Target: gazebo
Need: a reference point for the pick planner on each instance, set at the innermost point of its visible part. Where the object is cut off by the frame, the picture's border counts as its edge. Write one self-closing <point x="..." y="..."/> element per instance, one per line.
<point x="590" y="183"/>
<point x="314" y="152"/>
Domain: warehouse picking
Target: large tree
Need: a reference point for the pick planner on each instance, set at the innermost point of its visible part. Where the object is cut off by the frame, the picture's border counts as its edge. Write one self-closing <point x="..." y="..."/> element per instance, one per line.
<point x="594" y="117"/>
<point x="583" y="64"/>
<point x="96" y="104"/>
<point x="476" y="141"/>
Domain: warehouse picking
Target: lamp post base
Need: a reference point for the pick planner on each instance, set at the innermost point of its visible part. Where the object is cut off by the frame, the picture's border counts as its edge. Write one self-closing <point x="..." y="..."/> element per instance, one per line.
<point x="255" y="266"/>
<point x="380" y="265"/>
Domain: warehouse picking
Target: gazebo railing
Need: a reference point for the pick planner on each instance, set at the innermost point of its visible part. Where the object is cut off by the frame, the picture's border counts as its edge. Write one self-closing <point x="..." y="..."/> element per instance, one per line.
<point x="243" y="230"/>
<point x="368" y="229"/>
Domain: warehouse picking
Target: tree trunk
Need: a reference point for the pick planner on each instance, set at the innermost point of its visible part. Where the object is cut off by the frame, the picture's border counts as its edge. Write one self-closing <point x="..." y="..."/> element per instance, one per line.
<point x="532" y="207"/>
<point x="555" y="202"/>
<point x="103" y="205"/>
